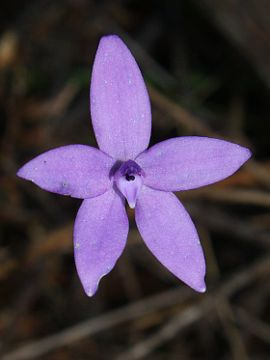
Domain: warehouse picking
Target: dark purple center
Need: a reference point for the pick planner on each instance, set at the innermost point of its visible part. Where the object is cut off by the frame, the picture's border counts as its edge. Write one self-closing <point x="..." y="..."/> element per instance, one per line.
<point x="128" y="179"/>
<point x="129" y="170"/>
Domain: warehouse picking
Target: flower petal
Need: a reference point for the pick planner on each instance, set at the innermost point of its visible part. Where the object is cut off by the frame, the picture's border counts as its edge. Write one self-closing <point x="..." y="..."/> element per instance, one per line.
<point x="169" y="233"/>
<point x="76" y="170"/>
<point x="189" y="162"/>
<point x="120" y="106"/>
<point x="100" y="234"/>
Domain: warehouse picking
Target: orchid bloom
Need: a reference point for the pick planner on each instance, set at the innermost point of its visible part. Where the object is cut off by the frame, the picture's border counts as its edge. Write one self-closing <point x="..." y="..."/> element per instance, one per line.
<point x="122" y="168"/>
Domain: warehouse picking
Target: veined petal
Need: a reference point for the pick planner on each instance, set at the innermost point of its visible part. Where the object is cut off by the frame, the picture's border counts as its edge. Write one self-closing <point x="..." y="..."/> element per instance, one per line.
<point x="76" y="170"/>
<point x="119" y="101"/>
<point x="170" y="235"/>
<point x="100" y="234"/>
<point x="189" y="162"/>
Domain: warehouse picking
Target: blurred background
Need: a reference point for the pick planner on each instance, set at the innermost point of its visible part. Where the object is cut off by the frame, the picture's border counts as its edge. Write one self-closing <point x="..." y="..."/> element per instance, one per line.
<point x="207" y="67"/>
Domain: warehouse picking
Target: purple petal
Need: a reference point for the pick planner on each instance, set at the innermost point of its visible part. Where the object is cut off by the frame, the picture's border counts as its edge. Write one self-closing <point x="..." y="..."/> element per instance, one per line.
<point x="76" y="170"/>
<point x="171" y="236"/>
<point x="100" y="234"/>
<point x="189" y="162"/>
<point x="120" y="107"/>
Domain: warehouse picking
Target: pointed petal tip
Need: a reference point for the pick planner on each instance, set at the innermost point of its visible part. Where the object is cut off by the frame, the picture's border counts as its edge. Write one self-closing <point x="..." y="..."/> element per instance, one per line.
<point x="243" y="154"/>
<point x="90" y="293"/>
<point x="247" y="153"/>
<point x="91" y="290"/>
<point x="110" y="37"/>
<point x="201" y="287"/>
<point x="110" y="42"/>
<point x="20" y="173"/>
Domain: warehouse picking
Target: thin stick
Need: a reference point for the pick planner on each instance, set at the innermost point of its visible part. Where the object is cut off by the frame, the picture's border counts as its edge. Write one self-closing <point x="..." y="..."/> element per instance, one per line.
<point x="178" y="113"/>
<point x="137" y="309"/>
<point x="222" y="304"/>
<point x="231" y="195"/>
<point x="167" y="332"/>
<point x="195" y="312"/>
<point x="220" y="221"/>
<point x="95" y="325"/>
<point x="253" y="325"/>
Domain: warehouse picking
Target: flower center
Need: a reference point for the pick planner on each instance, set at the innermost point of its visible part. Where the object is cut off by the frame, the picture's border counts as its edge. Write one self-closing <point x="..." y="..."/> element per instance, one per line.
<point x="128" y="179"/>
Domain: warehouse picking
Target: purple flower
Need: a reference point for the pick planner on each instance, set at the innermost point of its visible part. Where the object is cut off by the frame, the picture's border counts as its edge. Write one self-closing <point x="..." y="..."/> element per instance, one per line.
<point x="124" y="169"/>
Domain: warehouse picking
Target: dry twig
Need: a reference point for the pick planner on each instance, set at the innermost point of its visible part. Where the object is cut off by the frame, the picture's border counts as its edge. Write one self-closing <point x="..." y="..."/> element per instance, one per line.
<point x="140" y="308"/>
<point x="195" y="312"/>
